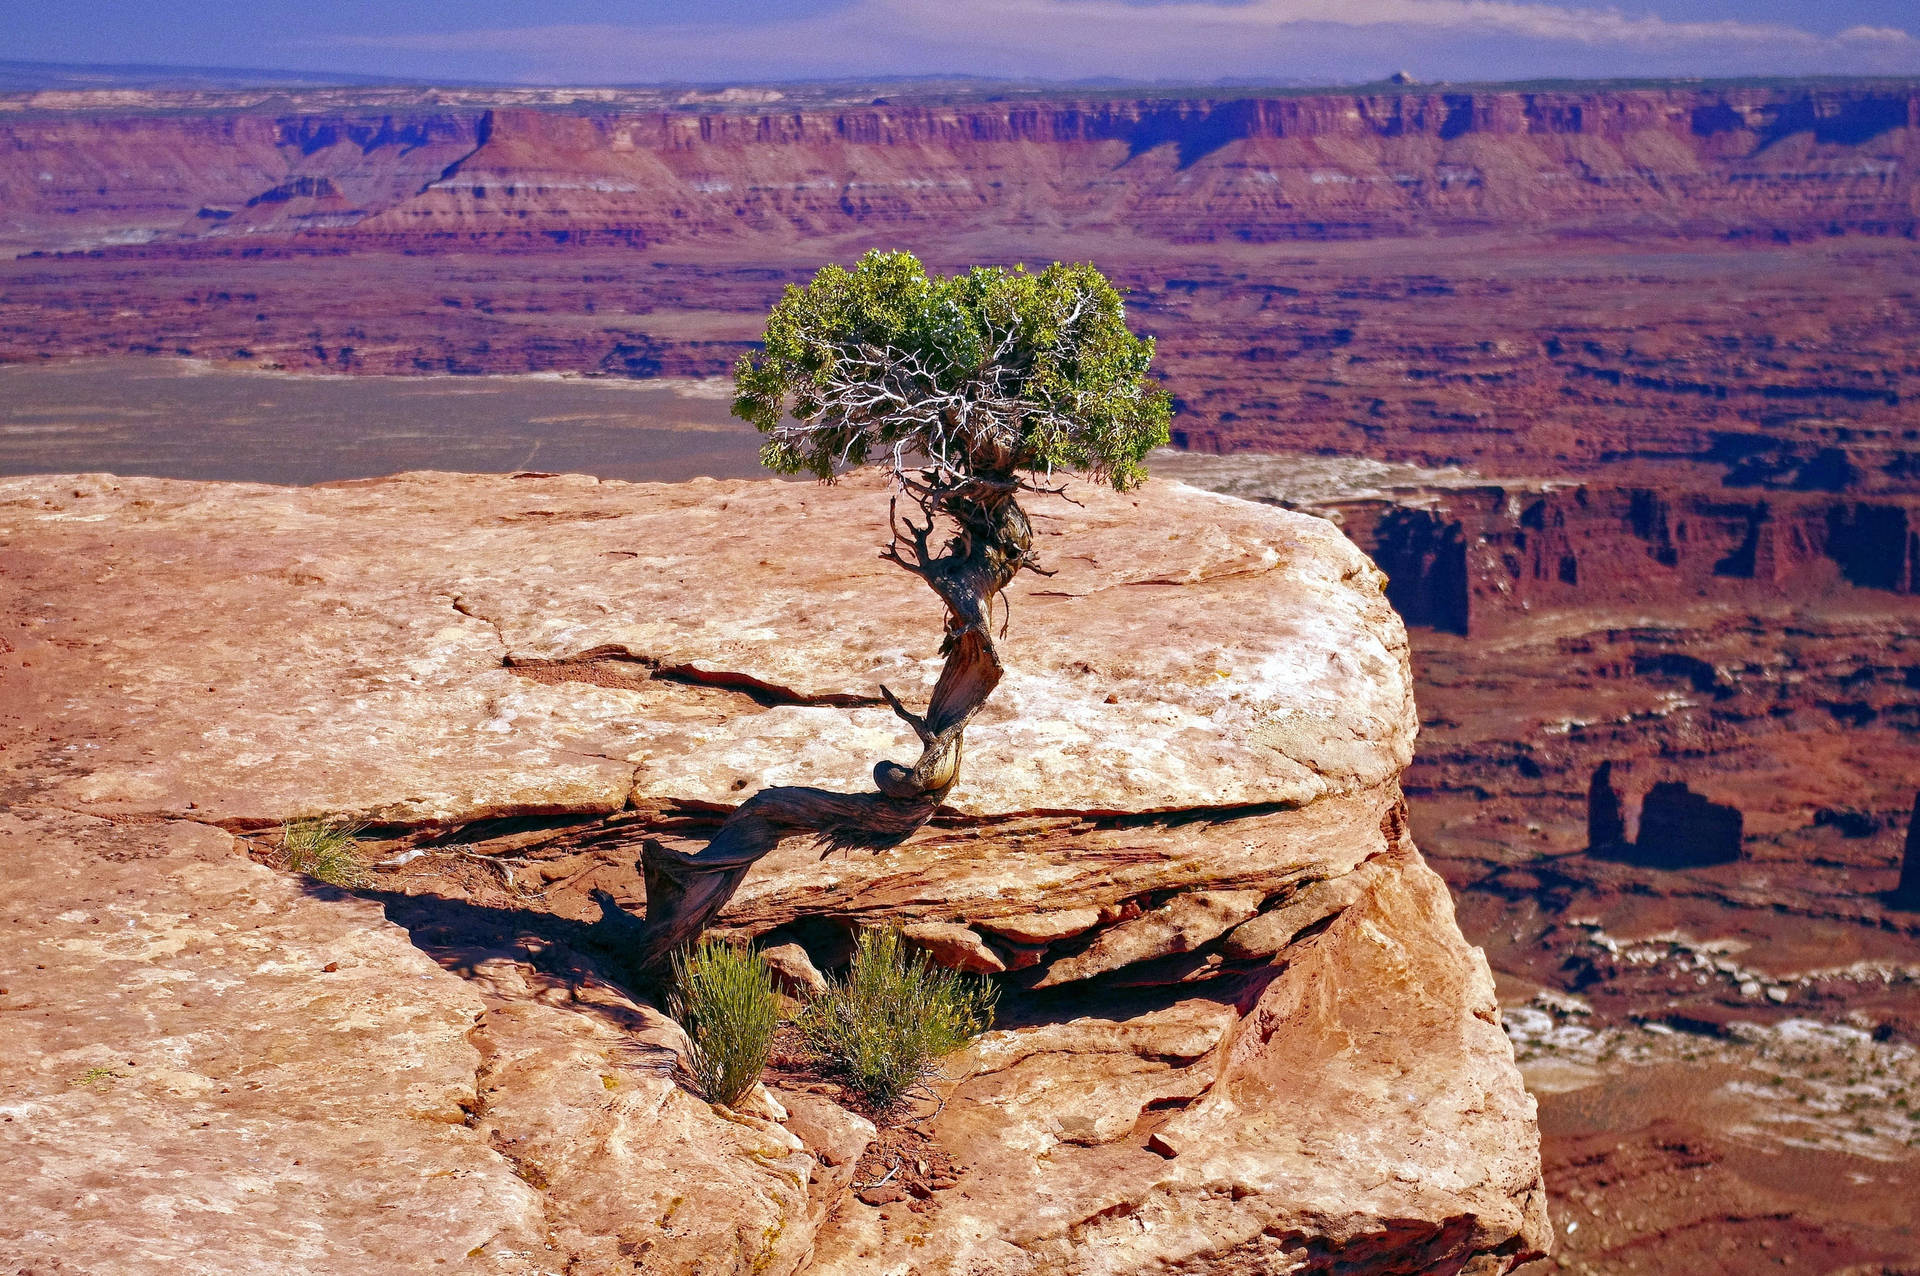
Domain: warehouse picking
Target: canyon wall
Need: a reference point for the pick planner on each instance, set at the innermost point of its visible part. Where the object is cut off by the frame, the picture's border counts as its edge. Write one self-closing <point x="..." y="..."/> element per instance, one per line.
<point x="1478" y="559"/>
<point x="1765" y="161"/>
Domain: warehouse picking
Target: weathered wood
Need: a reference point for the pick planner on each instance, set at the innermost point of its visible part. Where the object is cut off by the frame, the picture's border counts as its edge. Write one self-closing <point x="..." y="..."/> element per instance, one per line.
<point x="991" y="543"/>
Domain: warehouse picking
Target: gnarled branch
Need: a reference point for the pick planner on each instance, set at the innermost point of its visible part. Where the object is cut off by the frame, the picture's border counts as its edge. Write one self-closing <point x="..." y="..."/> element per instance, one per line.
<point x="992" y="541"/>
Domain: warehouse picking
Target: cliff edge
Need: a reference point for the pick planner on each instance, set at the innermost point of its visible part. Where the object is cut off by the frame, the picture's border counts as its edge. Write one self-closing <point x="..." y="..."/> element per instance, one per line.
<point x="1240" y="1031"/>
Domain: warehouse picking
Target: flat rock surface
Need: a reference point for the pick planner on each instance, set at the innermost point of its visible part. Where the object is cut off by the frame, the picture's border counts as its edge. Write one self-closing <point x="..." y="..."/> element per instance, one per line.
<point x="340" y="649"/>
<point x="208" y="1066"/>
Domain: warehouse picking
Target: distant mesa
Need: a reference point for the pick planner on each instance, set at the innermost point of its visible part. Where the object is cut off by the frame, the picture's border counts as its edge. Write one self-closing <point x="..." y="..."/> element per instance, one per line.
<point x="1638" y="812"/>
<point x="734" y="163"/>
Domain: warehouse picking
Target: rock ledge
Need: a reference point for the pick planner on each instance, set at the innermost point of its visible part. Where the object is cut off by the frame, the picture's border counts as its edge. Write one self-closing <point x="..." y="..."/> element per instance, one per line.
<point x="1240" y="1030"/>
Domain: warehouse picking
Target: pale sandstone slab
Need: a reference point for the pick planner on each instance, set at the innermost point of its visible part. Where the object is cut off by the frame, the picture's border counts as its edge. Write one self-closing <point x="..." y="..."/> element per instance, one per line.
<point x="208" y="1066"/>
<point x="1351" y="1122"/>
<point x="1178" y="1033"/>
<point x="1079" y="1099"/>
<point x="342" y="647"/>
<point x="1313" y="903"/>
<point x="954" y="946"/>
<point x="793" y="971"/>
<point x="1181" y="925"/>
<point x="835" y="1138"/>
<point x="1044" y="928"/>
<point x="578" y="1092"/>
<point x="1014" y="868"/>
<point x="186" y="1087"/>
<point x="1314" y="1046"/>
<point x="247" y="654"/>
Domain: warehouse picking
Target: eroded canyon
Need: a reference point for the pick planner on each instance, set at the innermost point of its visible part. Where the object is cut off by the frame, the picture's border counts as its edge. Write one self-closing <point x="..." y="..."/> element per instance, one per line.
<point x="1632" y="374"/>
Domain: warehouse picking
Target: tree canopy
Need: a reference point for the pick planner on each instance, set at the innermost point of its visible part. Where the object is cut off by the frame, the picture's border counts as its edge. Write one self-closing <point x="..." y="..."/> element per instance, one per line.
<point x="980" y="383"/>
<point x="992" y="372"/>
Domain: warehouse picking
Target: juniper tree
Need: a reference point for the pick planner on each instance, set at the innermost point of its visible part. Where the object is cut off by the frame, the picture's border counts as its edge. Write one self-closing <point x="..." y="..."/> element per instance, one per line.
<point x="975" y="389"/>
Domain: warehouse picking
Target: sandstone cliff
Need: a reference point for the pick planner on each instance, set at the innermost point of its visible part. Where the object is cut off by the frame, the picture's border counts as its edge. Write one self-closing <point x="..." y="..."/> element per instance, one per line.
<point x="1691" y="160"/>
<point x="1240" y="1030"/>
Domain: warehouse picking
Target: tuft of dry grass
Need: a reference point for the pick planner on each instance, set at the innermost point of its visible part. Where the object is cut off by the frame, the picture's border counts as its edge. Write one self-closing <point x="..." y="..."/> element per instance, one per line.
<point x="723" y="996"/>
<point x="885" y="1025"/>
<point x="324" y="850"/>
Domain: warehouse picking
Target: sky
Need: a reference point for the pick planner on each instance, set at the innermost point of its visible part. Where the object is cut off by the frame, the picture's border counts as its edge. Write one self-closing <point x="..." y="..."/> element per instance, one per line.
<point x="1193" y="41"/>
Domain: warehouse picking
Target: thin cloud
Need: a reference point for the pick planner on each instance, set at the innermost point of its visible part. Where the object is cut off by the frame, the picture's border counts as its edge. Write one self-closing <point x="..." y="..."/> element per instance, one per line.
<point x="1064" y="39"/>
<point x="1885" y="35"/>
<point x="1539" y="21"/>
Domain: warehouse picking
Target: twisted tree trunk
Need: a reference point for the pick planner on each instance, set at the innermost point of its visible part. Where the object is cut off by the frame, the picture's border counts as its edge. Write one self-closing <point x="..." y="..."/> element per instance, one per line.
<point x="993" y="541"/>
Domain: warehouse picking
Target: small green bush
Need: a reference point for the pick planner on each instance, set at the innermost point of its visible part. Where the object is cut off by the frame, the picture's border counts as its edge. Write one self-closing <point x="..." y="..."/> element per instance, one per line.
<point x="892" y="1016"/>
<point x="723" y="996"/>
<point x="323" y="850"/>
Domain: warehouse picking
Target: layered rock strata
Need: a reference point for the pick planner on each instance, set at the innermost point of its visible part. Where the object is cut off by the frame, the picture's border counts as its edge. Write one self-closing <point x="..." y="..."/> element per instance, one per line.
<point x="1337" y="165"/>
<point x="1240" y="1031"/>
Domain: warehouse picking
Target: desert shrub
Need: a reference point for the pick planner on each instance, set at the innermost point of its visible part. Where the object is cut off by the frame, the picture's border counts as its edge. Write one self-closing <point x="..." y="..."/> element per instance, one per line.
<point x="723" y="996"/>
<point x="892" y="1016"/>
<point x="324" y="850"/>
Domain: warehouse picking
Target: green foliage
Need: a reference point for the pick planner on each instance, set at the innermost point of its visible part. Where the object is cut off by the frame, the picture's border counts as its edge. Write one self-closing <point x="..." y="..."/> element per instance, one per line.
<point x="323" y="850"/>
<point x="991" y="372"/>
<point x="723" y="996"/>
<point x="894" y="1014"/>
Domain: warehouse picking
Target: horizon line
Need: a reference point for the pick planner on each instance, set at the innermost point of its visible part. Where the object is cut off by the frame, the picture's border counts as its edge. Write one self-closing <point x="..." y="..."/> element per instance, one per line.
<point x="272" y="77"/>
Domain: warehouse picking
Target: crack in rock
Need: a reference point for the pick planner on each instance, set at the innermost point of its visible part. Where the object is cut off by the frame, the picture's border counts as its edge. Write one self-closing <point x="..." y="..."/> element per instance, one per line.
<point x="460" y="605"/>
<point x="620" y="667"/>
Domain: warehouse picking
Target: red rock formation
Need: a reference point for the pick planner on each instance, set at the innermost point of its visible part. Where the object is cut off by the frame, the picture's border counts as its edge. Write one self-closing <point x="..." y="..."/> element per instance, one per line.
<point x="1476" y="559"/>
<point x="1907" y="894"/>
<point x="1661" y="823"/>
<point x="91" y="179"/>
<point x="1182" y="171"/>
